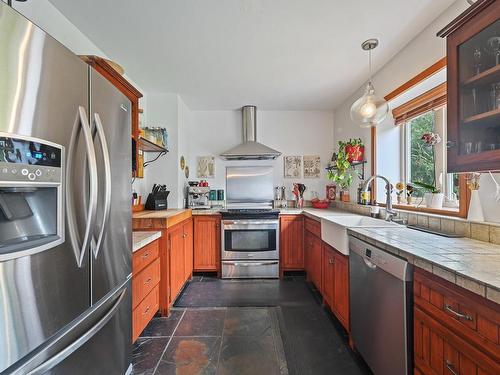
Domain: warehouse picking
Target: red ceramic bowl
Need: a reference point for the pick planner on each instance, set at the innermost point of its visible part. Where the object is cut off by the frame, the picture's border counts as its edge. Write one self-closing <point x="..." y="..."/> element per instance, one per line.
<point x="320" y="204"/>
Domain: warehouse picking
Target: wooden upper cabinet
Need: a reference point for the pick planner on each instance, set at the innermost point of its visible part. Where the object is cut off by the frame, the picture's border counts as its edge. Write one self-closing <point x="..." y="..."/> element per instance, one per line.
<point x="292" y="242"/>
<point x="127" y="89"/>
<point x="473" y="93"/>
<point x="207" y="249"/>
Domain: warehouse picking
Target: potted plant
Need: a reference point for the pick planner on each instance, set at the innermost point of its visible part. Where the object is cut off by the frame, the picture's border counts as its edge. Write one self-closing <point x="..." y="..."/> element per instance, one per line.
<point x="341" y="172"/>
<point x="355" y="150"/>
<point x="400" y="187"/>
<point x="409" y="194"/>
<point x="433" y="197"/>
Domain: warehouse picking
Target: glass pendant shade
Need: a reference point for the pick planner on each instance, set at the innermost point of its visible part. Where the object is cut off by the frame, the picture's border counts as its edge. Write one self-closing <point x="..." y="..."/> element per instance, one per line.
<point x="369" y="110"/>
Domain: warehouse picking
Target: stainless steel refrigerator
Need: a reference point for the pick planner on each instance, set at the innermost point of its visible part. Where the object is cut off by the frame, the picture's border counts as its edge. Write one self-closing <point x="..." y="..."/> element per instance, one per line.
<point x="65" y="215"/>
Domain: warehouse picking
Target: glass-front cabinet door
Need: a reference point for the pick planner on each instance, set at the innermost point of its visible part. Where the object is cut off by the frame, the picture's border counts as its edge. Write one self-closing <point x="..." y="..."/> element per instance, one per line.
<point x="473" y="54"/>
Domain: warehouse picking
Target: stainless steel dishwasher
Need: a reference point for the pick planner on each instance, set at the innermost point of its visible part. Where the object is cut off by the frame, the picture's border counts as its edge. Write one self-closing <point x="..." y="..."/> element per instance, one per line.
<point x="381" y="308"/>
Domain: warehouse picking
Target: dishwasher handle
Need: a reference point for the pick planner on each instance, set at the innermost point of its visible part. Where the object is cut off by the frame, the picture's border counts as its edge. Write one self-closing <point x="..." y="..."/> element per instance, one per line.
<point x="370" y="264"/>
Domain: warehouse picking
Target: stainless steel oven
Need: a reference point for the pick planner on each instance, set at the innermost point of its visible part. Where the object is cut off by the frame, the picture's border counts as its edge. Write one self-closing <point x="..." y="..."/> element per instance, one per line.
<point x="250" y="248"/>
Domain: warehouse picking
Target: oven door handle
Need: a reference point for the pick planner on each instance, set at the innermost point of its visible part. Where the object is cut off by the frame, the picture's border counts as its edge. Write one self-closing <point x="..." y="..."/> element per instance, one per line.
<point x="242" y="264"/>
<point x="250" y="222"/>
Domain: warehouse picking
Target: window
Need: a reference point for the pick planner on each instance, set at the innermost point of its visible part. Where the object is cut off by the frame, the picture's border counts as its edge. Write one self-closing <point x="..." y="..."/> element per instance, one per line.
<point x="402" y="155"/>
<point x="427" y="164"/>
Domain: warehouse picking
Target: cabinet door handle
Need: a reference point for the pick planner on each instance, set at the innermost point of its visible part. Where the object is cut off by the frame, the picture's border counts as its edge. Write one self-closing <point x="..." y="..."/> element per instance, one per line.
<point x="146" y="311"/>
<point x="457" y="314"/>
<point x="147" y="281"/>
<point x="450" y="368"/>
<point x="331" y="261"/>
<point x="145" y="255"/>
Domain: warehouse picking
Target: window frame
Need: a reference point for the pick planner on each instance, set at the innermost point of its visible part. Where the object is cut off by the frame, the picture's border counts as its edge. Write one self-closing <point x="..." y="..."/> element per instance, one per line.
<point x="464" y="193"/>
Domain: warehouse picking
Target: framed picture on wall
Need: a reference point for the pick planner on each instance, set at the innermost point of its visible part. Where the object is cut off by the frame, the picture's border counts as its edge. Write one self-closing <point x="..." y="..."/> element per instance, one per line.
<point x="206" y="167"/>
<point x="292" y="166"/>
<point x="312" y="166"/>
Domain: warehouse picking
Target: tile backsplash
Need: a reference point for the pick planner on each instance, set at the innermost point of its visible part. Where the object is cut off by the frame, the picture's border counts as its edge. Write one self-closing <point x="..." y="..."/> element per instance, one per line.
<point x="487" y="232"/>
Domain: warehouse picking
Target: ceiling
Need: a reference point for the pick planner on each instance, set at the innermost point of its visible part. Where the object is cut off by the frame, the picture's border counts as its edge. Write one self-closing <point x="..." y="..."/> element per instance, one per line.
<point x="277" y="54"/>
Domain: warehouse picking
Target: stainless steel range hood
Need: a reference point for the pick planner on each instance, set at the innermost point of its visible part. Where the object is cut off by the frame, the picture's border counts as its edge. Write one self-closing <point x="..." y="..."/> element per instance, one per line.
<point x="250" y="149"/>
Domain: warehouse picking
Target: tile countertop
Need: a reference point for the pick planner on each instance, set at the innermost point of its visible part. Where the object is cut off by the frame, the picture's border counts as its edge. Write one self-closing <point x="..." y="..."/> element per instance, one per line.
<point x="316" y="213"/>
<point x="141" y="239"/>
<point x="470" y="264"/>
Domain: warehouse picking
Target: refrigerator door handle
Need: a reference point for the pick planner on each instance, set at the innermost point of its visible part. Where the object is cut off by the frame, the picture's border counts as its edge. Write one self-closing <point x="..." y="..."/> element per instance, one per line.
<point x="80" y="341"/>
<point x="81" y="123"/>
<point x="97" y="242"/>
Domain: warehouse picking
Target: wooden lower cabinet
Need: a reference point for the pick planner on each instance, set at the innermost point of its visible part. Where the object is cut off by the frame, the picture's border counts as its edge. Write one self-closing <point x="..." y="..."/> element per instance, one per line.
<point x="340" y="305"/>
<point x="328" y="274"/>
<point x="314" y="255"/>
<point x="189" y="249"/>
<point x="335" y="284"/>
<point x="292" y="242"/>
<point x="207" y="232"/>
<point x="145" y="286"/>
<point x="180" y="246"/>
<point x="439" y="351"/>
<point x="455" y="331"/>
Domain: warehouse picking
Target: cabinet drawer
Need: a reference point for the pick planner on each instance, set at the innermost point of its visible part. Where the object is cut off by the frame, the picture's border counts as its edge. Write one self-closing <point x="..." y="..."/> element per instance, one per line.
<point x="313" y="226"/>
<point x="469" y="316"/>
<point x="144" y="282"/>
<point x="145" y="256"/>
<point x="439" y="351"/>
<point x="144" y="312"/>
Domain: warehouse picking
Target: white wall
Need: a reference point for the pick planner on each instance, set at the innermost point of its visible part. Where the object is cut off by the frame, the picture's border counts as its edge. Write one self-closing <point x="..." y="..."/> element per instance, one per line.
<point x="423" y="51"/>
<point x="163" y="112"/>
<point x="291" y="132"/>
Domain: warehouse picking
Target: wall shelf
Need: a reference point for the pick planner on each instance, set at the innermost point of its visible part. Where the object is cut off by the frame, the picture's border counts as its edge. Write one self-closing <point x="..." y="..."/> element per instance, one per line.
<point x="148" y="146"/>
<point x="354" y="164"/>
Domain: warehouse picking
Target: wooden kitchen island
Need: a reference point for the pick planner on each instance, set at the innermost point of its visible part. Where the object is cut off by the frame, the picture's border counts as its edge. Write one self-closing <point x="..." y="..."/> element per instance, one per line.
<point x="176" y="249"/>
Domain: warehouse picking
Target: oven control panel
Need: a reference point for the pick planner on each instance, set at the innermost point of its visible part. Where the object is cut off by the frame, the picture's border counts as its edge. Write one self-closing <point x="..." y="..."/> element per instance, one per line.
<point x="24" y="159"/>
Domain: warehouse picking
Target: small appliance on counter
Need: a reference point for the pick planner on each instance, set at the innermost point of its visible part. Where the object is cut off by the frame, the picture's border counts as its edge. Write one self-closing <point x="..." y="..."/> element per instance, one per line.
<point x="157" y="199"/>
<point x="198" y="197"/>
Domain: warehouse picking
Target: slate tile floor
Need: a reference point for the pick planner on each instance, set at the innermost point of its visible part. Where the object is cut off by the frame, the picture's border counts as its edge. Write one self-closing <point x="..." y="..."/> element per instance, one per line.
<point x="246" y="327"/>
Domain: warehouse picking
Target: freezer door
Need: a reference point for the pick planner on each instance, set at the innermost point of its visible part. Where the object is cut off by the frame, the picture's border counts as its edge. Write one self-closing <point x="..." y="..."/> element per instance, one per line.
<point x="42" y="87"/>
<point x="98" y="342"/>
<point x="112" y="246"/>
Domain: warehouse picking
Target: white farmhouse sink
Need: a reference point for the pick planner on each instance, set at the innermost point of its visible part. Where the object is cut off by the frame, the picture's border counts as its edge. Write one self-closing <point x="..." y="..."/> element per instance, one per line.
<point x="334" y="229"/>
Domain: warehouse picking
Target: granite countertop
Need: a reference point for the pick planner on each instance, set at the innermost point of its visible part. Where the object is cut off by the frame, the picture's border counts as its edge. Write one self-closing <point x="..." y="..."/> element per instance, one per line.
<point x="141" y="239"/>
<point x="471" y="264"/>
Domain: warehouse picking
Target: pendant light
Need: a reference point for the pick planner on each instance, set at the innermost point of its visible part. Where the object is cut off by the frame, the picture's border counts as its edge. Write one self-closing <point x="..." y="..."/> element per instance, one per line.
<point x="369" y="110"/>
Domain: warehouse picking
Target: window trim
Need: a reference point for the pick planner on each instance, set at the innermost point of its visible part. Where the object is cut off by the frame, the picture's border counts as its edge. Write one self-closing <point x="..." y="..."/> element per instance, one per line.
<point x="464" y="192"/>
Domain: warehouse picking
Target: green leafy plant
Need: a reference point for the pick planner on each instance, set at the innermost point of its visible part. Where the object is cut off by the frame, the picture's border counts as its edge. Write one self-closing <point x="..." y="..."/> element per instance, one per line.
<point x="341" y="173"/>
<point x="428" y="187"/>
<point x="355" y="142"/>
